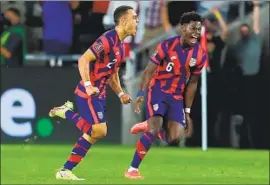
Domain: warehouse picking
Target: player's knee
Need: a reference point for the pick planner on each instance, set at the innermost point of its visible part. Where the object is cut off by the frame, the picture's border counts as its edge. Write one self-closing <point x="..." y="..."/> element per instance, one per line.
<point x="174" y="142"/>
<point x="155" y="124"/>
<point x="174" y="139"/>
<point x="176" y="135"/>
<point x="99" y="130"/>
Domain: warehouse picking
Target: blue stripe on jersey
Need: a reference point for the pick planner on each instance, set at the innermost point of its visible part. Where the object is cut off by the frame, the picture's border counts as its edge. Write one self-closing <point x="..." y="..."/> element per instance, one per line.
<point x="195" y="51"/>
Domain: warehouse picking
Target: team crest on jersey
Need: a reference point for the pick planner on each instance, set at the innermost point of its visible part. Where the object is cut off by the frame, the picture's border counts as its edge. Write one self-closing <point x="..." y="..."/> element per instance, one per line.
<point x="98" y="47"/>
<point x="192" y="62"/>
<point x="100" y="115"/>
<point x="155" y="107"/>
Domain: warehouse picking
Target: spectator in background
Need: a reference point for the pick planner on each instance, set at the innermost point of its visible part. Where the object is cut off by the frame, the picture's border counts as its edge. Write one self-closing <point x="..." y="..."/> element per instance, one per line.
<point x="34" y="24"/>
<point x="19" y="5"/>
<point x="156" y="22"/>
<point x="215" y="46"/>
<point x="247" y="53"/>
<point x="91" y="26"/>
<point x="207" y="6"/>
<point x="58" y="26"/>
<point x="13" y="40"/>
<point x="177" y="8"/>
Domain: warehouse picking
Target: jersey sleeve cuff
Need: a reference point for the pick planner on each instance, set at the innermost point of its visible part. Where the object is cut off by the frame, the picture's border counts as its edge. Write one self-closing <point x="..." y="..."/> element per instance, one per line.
<point x="153" y="61"/>
<point x="94" y="52"/>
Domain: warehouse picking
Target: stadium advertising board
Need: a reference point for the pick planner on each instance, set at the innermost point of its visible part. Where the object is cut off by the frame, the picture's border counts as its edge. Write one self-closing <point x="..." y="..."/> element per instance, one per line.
<point x="27" y="95"/>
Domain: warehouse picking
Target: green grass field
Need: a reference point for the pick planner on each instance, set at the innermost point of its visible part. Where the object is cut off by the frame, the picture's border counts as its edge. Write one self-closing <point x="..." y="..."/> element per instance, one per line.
<point x="37" y="164"/>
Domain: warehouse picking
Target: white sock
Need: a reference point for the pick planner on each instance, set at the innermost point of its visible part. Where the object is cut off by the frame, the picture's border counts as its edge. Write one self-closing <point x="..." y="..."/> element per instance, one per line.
<point x="131" y="169"/>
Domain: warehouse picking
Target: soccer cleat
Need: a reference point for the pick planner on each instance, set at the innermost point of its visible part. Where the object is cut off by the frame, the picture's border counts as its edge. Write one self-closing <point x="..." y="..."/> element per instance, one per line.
<point x="61" y="111"/>
<point x="67" y="175"/>
<point x="133" y="174"/>
<point x="139" y="127"/>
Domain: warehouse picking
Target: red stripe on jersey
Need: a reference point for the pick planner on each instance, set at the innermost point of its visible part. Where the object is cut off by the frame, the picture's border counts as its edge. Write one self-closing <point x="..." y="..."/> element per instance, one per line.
<point x="93" y="112"/>
<point x="187" y="61"/>
<point x="164" y="76"/>
<point x="160" y="51"/>
<point x="102" y="86"/>
<point x="102" y="74"/>
<point x="106" y="44"/>
<point x="162" y="83"/>
<point x="174" y="85"/>
<point x="173" y="53"/>
<point x="200" y="55"/>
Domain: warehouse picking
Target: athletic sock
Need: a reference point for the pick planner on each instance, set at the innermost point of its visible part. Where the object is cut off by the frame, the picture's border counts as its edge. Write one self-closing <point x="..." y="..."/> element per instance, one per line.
<point x="143" y="145"/>
<point x="79" y="151"/>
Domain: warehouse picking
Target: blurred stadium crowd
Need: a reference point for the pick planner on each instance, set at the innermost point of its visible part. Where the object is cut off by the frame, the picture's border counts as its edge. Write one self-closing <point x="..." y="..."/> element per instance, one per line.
<point x="234" y="77"/>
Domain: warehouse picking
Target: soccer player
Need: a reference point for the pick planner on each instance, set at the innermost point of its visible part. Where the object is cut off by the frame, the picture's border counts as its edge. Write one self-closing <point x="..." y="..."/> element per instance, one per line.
<point x="98" y="66"/>
<point x="173" y="71"/>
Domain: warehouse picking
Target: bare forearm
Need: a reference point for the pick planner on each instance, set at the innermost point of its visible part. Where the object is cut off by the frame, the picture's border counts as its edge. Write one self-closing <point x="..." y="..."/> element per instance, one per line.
<point x="256" y="19"/>
<point x="84" y="69"/>
<point x="164" y="16"/>
<point x="115" y="84"/>
<point x="190" y="93"/>
<point x="223" y="25"/>
<point x="147" y="76"/>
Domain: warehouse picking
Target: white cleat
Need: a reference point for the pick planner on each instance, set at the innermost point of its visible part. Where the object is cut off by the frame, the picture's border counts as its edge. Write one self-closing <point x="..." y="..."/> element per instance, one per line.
<point x="61" y="110"/>
<point x="67" y="175"/>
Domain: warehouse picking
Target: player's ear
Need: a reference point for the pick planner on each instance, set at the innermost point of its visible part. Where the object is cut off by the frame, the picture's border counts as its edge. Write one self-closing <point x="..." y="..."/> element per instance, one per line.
<point x="182" y="28"/>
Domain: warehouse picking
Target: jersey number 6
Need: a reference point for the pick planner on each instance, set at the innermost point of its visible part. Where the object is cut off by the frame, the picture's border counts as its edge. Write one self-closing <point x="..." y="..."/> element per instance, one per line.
<point x="169" y="66"/>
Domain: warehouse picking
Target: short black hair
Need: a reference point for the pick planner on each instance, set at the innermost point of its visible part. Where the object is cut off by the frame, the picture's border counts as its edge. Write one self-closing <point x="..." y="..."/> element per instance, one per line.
<point x="187" y="17"/>
<point x="244" y="25"/>
<point x="15" y="11"/>
<point x="119" y="12"/>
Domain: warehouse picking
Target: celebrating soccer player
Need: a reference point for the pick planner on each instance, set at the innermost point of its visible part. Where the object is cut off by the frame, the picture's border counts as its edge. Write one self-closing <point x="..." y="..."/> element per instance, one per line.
<point x="98" y="66"/>
<point x="173" y="71"/>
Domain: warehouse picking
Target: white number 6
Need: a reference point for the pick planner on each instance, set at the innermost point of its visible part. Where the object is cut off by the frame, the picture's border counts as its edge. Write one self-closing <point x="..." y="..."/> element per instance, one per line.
<point x="169" y="66"/>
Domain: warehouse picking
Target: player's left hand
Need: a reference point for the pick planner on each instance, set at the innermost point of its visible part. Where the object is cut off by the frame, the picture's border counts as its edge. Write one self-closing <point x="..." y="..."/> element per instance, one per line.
<point x="189" y="125"/>
<point x="125" y="99"/>
<point x="139" y="100"/>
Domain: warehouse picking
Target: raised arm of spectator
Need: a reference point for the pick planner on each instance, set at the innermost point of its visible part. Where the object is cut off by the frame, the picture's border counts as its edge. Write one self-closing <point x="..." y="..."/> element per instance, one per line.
<point x="165" y="16"/>
<point x="222" y="23"/>
<point x="256" y="17"/>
